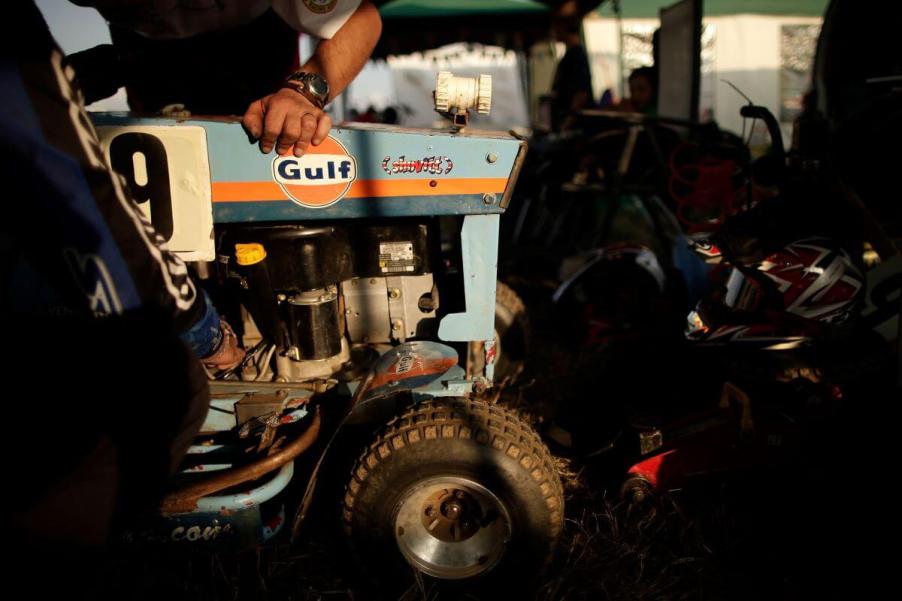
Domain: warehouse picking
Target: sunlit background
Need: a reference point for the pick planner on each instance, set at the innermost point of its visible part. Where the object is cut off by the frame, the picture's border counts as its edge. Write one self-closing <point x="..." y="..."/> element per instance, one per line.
<point x="764" y="48"/>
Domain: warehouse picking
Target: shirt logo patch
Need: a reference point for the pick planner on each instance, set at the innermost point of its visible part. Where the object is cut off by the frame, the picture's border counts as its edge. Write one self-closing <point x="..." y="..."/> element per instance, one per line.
<point x="320" y="7"/>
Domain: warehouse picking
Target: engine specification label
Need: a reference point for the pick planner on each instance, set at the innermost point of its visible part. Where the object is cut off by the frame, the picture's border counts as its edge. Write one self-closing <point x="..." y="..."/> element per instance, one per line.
<point x="396" y="257"/>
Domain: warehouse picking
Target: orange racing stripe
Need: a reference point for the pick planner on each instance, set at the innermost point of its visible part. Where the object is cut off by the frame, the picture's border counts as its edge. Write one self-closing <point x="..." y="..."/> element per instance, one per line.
<point x="370" y="188"/>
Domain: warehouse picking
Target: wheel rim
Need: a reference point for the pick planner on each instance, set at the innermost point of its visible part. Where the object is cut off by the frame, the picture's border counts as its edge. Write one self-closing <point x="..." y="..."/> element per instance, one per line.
<point x="451" y="527"/>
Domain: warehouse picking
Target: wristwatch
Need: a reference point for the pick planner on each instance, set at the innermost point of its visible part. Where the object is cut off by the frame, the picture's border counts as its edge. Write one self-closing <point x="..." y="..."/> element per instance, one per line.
<point x="311" y="86"/>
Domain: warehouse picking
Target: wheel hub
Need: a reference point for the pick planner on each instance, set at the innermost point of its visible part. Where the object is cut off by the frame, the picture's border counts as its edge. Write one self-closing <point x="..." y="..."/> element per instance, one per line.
<point x="452" y="515"/>
<point x="451" y="527"/>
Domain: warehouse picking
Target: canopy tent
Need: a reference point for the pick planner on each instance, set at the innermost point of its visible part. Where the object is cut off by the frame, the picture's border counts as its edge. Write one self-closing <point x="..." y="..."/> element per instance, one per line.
<point x="416" y="9"/>
<point x="417" y="25"/>
<point x="647" y="9"/>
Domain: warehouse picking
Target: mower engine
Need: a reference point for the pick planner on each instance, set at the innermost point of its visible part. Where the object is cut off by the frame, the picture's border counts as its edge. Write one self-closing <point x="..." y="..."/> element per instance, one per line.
<point x="315" y="291"/>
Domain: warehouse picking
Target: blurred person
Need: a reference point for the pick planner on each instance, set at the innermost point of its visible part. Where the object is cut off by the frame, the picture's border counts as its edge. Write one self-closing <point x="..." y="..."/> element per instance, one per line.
<point x="368" y="116"/>
<point x="390" y="116"/>
<point x="572" y="87"/>
<point x="235" y="57"/>
<point x="106" y="328"/>
<point x="607" y="99"/>
<point x="643" y="98"/>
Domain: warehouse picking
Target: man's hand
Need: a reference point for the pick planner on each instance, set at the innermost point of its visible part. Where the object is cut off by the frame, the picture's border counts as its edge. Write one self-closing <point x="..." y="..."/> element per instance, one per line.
<point x="287" y="122"/>
<point x="228" y="354"/>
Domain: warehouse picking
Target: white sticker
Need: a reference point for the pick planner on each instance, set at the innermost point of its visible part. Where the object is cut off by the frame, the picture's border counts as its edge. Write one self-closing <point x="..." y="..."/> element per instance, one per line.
<point x="168" y="172"/>
<point x="395" y="257"/>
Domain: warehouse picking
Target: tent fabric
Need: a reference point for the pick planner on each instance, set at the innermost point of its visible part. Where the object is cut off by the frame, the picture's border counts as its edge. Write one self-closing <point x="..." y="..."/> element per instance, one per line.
<point x="413" y="9"/>
<point x="643" y="9"/>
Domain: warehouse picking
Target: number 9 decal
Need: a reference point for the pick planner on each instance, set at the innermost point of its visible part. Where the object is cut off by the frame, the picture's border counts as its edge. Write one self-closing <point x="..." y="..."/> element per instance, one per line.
<point x="141" y="159"/>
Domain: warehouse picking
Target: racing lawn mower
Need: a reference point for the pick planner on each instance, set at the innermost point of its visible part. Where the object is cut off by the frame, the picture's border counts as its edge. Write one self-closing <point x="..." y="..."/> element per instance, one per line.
<point x="361" y="278"/>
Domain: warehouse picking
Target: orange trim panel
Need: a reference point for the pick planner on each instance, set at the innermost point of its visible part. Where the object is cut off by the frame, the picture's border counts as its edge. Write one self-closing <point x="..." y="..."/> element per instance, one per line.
<point x="371" y="188"/>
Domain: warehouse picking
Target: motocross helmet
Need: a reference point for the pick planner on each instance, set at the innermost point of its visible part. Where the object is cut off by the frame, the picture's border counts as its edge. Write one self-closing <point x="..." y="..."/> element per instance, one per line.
<point x="784" y="298"/>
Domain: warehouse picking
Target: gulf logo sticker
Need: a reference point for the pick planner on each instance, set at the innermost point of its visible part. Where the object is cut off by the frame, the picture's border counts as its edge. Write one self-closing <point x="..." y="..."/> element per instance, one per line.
<point x="318" y="179"/>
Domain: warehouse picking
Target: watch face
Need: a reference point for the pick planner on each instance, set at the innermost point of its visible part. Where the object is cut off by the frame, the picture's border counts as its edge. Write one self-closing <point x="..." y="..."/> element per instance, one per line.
<point x="317" y="85"/>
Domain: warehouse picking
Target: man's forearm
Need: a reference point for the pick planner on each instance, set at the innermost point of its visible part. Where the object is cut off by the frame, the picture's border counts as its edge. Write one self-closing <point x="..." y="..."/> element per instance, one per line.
<point x="289" y="121"/>
<point x="341" y="58"/>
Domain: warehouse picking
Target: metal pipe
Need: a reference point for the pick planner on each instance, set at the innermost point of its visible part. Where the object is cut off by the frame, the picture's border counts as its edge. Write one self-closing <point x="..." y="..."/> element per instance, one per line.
<point x="185" y="499"/>
<point x="249" y="498"/>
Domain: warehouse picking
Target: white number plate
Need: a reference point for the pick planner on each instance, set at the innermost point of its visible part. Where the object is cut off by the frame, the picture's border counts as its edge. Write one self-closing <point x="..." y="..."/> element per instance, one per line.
<point x="168" y="172"/>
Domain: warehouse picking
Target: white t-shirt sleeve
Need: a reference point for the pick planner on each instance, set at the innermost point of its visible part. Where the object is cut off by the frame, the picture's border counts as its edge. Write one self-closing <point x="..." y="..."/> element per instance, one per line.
<point x="320" y="18"/>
